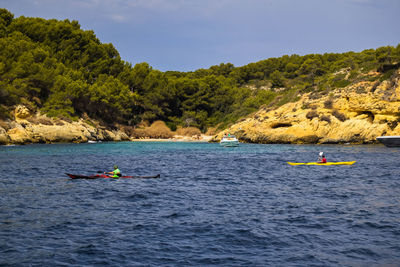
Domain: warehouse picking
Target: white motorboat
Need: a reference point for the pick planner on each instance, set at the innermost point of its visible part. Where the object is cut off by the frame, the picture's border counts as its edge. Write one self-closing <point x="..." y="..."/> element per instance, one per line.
<point x="229" y="141"/>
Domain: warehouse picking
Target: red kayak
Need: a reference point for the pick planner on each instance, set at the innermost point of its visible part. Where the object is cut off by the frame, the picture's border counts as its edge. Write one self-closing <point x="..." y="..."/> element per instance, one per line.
<point x="97" y="176"/>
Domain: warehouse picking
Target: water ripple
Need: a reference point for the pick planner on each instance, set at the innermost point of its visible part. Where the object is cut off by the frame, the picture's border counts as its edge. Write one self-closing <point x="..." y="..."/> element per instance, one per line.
<point x="212" y="206"/>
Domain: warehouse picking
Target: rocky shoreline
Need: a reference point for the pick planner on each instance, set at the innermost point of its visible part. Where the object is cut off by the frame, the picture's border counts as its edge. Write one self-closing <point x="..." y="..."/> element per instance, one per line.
<point x="75" y="132"/>
<point x="356" y="114"/>
<point x="78" y="132"/>
<point x="30" y="128"/>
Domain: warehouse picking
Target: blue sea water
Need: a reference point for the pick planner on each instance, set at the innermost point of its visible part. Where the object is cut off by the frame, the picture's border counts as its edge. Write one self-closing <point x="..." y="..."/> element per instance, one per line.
<point x="212" y="206"/>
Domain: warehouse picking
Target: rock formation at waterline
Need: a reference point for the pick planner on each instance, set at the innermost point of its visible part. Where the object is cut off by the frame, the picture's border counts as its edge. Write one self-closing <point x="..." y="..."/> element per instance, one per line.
<point x="34" y="128"/>
<point x="26" y="128"/>
<point x="357" y="113"/>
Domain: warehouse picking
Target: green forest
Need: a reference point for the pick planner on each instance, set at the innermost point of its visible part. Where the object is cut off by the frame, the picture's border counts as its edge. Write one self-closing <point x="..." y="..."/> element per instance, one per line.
<point x="57" y="68"/>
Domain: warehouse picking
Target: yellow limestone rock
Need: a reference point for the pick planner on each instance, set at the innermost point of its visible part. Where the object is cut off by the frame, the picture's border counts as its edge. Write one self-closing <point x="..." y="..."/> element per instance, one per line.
<point x="115" y="136"/>
<point x="28" y="128"/>
<point x="4" y="139"/>
<point x="357" y="114"/>
<point x="21" y="112"/>
<point x="55" y="133"/>
<point x="19" y="135"/>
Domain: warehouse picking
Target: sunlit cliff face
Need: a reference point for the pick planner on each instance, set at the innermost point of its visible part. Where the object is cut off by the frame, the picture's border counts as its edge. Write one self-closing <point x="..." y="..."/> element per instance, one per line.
<point x="357" y="113"/>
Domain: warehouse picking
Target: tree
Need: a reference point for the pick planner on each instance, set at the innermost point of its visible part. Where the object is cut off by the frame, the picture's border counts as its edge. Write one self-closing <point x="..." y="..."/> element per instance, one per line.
<point x="110" y="99"/>
<point x="6" y="18"/>
<point x="276" y="79"/>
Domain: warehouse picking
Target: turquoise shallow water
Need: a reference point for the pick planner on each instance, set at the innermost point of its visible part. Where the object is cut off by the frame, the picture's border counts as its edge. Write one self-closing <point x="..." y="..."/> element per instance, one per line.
<point x="239" y="206"/>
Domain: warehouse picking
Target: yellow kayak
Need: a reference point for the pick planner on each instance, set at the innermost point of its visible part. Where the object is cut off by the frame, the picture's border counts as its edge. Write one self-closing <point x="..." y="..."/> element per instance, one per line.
<point x="327" y="164"/>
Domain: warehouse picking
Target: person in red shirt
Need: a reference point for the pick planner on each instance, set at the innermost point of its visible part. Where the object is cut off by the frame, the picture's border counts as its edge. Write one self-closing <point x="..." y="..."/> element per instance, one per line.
<point x="321" y="158"/>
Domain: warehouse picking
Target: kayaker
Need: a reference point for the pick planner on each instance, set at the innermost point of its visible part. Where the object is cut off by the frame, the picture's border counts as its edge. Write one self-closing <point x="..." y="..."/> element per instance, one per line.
<point x="115" y="173"/>
<point x="321" y="158"/>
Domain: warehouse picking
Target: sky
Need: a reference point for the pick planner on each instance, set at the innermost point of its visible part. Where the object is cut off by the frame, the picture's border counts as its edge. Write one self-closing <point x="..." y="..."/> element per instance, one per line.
<point x="186" y="35"/>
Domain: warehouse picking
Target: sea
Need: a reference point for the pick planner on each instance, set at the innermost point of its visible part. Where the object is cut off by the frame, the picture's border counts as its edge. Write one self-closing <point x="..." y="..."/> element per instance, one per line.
<point x="212" y="205"/>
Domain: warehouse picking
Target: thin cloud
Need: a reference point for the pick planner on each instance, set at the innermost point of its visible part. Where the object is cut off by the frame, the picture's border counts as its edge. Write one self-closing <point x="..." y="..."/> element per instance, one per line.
<point x="119" y="18"/>
<point x="187" y="7"/>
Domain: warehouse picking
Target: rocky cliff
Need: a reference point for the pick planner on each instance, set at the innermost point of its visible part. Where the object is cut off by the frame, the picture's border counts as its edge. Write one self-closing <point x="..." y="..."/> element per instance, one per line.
<point x="357" y="113"/>
<point x="35" y="128"/>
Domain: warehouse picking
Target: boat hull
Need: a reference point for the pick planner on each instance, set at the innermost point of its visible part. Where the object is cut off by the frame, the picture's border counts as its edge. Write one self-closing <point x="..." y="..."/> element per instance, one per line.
<point x="389" y="141"/>
<point x="98" y="176"/>
<point x="322" y="164"/>
<point x="229" y="143"/>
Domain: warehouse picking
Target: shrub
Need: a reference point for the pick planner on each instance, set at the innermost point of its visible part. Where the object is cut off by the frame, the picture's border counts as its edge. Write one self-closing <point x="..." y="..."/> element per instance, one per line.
<point x="341" y="83"/>
<point x="171" y="125"/>
<point x="328" y="103"/>
<point x="157" y="130"/>
<point x="326" y="118"/>
<point x="305" y="105"/>
<point x="128" y="130"/>
<point x="66" y="118"/>
<point x="4" y="113"/>
<point x="373" y="88"/>
<point x="386" y="75"/>
<point x="188" y="131"/>
<point x="311" y="114"/>
<point x="353" y="74"/>
<point x="137" y="133"/>
<point x="314" y="95"/>
<point x="212" y="131"/>
<point x="338" y="115"/>
<point x="40" y="120"/>
<point x="45" y="121"/>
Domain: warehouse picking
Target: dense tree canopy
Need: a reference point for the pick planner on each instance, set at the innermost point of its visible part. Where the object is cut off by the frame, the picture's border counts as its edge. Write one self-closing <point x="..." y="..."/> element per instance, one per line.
<point x="59" y="69"/>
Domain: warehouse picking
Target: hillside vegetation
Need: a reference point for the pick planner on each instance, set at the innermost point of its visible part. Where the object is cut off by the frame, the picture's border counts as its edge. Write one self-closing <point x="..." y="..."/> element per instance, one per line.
<point x="56" y="68"/>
